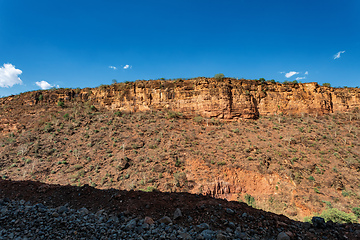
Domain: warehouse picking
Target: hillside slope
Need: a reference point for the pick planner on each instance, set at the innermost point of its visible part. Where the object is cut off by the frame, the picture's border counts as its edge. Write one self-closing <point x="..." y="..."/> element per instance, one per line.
<point x="292" y="164"/>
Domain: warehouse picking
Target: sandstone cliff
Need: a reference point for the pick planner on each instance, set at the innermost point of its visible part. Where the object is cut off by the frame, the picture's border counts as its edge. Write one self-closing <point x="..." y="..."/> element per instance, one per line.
<point x="207" y="97"/>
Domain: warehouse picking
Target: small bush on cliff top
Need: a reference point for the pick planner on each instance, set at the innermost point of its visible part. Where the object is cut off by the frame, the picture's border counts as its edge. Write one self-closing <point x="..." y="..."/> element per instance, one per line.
<point x="219" y="76"/>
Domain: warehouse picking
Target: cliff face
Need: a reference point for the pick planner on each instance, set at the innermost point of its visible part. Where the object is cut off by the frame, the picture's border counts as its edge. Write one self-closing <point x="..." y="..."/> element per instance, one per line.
<point x="207" y="97"/>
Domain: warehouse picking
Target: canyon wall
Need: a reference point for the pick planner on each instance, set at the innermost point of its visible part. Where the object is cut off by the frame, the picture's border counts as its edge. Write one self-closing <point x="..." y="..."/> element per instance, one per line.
<point x="225" y="99"/>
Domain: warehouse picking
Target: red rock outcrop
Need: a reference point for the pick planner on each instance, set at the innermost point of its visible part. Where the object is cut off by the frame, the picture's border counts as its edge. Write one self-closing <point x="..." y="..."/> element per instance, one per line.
<point x="225" y="99"/>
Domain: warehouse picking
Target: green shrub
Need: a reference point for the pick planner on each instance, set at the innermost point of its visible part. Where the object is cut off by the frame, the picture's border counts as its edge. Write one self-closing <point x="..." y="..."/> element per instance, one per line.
<point x="214" y="121"/>
<point x="326" y="85"/>
<point x="236" y="130"/>
<point x="149" y="189"/>
<point x="328" y="204"/>
<point x="152" y="146"/>
<point x="81" y="173"/>
<point x="118" y="113"/>
<point x="219" y="76"/>
<point x="177" y="163"/>
<point x="180" y="179"/>
<point x="78" y="166"/>
<point x="61" y="104"/>
<point x="198" y="119"/>
<point x="356" y="211"/>
<point x="345" y="193"/>
<point x="338" y="216"/>
<point x="13" y="165"/>
<point x="250" y="200"/>
<point x="308" y="219"/>
<point x="172" y="114"/>
<point x="48" y="127"/>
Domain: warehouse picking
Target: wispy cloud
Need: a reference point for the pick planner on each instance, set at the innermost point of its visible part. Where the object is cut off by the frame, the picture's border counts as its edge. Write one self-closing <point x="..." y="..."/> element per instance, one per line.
<point x="44" y="85"/>
<point x="337" y="55"/>
<point x="9" y="75"/>
<point x="306" y="73"/>
<point x="300" y="78"/>
<point x="112" y="67"/>
<point x="290" y="74"/>
<point x="127" y="66"/>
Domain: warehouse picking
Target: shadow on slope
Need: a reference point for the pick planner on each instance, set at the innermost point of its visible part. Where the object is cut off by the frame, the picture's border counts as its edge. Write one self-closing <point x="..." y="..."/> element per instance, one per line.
<point x="218" y="213"/>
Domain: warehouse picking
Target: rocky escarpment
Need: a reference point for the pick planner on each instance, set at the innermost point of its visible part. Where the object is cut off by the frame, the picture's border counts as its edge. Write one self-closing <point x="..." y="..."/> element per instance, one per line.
<point x="225" y="99"/>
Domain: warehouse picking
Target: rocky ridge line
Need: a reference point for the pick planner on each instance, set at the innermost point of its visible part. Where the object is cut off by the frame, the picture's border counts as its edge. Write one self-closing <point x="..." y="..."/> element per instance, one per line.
<point x="208" y="97"/>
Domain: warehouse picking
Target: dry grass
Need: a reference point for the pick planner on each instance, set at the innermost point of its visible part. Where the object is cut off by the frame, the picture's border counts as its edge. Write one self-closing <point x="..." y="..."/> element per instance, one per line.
<point x="158" y="150"/>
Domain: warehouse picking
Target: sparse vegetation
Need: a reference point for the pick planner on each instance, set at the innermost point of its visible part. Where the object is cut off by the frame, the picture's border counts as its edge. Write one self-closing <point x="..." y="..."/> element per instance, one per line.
<point x="61" y="104"/>
<point x="338" y="216"/>
<point x="316" y="155"/>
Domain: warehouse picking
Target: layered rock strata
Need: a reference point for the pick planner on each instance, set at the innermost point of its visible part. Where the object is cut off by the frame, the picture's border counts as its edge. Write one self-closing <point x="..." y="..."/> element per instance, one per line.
<point x="211" y="98"/>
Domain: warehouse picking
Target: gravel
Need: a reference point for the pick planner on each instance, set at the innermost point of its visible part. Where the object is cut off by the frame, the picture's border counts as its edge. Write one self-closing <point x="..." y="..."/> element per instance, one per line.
<point x="23" y="220"/>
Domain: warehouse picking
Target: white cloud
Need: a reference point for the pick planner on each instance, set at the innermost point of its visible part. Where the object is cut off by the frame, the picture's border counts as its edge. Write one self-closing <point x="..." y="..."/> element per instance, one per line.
<point x="9" y="75"/>
<point x="337" y="55"/>
<point x="306" y="73"/>
<point x="290" y="74"/>
<point x="44" y="85"/>
<point x="127" y="66"/>
<point x="113" y="67"/>
<point x="299" y="78"/>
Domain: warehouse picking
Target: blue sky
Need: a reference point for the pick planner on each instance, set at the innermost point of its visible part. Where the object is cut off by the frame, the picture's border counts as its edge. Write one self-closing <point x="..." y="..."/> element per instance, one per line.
<point x="74" y="44"/>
